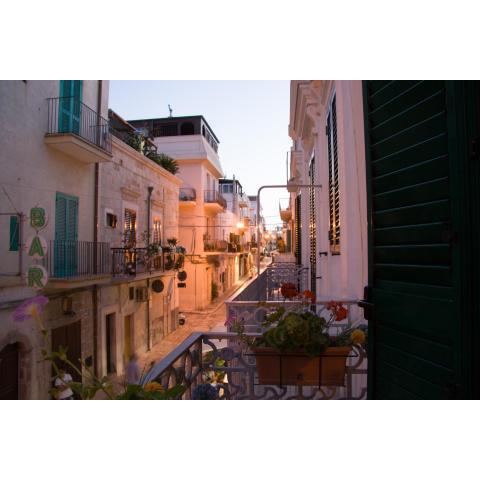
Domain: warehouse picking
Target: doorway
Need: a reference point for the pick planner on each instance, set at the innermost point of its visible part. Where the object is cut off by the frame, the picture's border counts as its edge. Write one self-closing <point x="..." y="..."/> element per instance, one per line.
<point x="128" y="344"/>
<point x="69" y="337"/>
<point x="110" y="342"/>
<point x="9" y="371"/>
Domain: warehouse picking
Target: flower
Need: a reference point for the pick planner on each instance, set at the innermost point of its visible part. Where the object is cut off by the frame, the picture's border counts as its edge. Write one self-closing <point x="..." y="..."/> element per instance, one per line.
<point x="341" y="313"/>
<point x="30" y="308"/>
<point x="357" y="336"/>
<point x="289" y="290"/>
<point x="309" y="295"/>
<point x="153" y="387"/>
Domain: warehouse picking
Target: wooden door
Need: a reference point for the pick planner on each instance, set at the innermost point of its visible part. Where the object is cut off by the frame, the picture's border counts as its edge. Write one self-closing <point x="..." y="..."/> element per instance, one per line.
<point x="416" y="276"/>
<point x="69" y="337"/>
<point x="128" y="347"/>
<point x="9" y="357"/>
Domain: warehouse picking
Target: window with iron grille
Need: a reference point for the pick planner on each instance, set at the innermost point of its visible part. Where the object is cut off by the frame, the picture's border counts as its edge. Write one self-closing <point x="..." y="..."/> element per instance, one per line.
<point x="129" y="227"/>
<point x="333" y="187"/>
<point x="313" y="229"/>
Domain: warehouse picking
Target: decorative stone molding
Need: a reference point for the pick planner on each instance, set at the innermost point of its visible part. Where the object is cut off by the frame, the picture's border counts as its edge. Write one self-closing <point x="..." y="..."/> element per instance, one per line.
<point x="129" y="194"/>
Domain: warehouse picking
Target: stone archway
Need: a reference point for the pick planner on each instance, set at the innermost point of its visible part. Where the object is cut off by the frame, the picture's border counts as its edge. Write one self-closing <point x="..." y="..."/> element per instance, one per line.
<point x="25" y="358"/>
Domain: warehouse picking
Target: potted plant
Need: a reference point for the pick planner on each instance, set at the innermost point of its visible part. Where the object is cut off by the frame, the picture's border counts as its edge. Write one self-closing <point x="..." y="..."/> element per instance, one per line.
<point x="296" y="348"/>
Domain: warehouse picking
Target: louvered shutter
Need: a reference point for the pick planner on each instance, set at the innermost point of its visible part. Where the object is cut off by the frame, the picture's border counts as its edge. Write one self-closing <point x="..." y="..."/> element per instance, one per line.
<point x="65" y="107"/>
<point x="130" y="227"/>
<point x="313" y="230"/>
<point x="60" y="217"/>
<point x="333" y="185"/>
<point x="77" y="109"/>
<point x="298" y="229"/>
<point x="14" y="234"/>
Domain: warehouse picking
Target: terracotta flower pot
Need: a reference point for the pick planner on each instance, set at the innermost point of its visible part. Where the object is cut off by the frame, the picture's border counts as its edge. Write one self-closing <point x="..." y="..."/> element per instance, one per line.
<point x="297" y="368"/>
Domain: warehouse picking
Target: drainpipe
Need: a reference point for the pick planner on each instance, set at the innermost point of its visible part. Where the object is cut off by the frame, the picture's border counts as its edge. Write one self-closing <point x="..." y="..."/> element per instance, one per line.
<point x="95" y="237"/>
<point x="149" y="214"/>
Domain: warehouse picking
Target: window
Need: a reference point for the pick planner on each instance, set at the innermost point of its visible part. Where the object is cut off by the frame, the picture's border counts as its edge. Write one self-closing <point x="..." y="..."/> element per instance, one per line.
<point x="14" y="234"/>
<point x="129" y="227"/>
<point x="187" y="128"/>
<point x="157" y="230"/>
<point x="333" y="188"/>
<point x="111" y="220"/>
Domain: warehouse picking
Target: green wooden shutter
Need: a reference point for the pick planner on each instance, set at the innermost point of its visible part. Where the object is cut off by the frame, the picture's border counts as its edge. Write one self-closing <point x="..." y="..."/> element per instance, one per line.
<point x="70" y="106"/>
<point x="414" y="352"/>
<point x="14" y="234"/>
<point x="66" y="230"/>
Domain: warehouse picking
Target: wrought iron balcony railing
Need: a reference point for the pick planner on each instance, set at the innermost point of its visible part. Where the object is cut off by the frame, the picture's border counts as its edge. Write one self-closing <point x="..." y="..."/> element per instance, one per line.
<point x="187" y="195"/>
<point x="72" y="259"/>
<point x="213" y="196"/>
<point x="70" y="115"/>
<point x="215" y="245"/>
<point x="223" y="358"/>
<point x="133" y="261"/>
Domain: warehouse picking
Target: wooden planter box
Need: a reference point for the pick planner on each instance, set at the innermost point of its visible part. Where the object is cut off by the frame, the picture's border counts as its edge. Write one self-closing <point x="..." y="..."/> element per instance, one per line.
<point x="297" y="368"/>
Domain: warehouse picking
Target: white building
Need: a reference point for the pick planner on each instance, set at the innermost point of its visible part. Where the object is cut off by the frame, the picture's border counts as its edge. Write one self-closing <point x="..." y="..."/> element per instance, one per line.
<point x="330" y="234"/>
<point x="54" y="136"/>
<point x="210" y="268"/>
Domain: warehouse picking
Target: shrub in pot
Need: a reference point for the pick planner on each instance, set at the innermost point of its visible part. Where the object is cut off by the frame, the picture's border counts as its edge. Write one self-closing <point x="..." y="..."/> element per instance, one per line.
<point x="296" y="349"/>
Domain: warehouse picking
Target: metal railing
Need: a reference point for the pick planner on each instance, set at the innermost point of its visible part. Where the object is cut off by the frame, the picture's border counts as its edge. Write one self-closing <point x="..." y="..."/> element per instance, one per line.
<point x="213" y="196"/>
<point x="132" y="261"/>
<point x="202" y="356"/>
<point x="72" y="259"/>
<point x="215" y="245"/>
<point x="187" y="195"/>
<point x="70" y="115"/>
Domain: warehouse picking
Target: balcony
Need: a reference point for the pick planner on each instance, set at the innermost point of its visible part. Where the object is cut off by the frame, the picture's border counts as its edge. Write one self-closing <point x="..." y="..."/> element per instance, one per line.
<point x="214" y="202"/>
<point x="78" y="131"/>
<point x="187" y="197"/>
<point x="71" y="264"/>
<point x="215" y="246"/>
<point x="130" y="262"/>
<point x="223" y="355"/>
<point x="243" y="201"/>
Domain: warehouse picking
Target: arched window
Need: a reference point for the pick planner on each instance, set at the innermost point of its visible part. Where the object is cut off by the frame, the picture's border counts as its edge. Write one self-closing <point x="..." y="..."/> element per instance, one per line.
<point x="187" y="129"/>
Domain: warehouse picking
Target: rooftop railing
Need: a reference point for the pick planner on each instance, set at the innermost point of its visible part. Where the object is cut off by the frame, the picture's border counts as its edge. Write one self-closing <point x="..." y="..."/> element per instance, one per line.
<point x="70" y="115"/>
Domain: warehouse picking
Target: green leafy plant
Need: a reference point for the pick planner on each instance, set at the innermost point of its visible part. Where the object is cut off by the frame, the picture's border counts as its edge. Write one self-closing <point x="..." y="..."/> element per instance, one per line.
<point x="293" y="330"/>
<point x="168" y="163"/>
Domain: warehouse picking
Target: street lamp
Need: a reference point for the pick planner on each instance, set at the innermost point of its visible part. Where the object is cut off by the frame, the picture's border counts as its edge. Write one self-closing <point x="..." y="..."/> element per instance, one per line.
<point x="298" y="185"/>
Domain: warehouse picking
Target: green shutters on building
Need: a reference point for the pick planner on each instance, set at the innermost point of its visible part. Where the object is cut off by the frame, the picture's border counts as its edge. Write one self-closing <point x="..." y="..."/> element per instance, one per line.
<point x="14" y="234"/>
<point x="66" y="231"/>
<point x="70" y="109"/>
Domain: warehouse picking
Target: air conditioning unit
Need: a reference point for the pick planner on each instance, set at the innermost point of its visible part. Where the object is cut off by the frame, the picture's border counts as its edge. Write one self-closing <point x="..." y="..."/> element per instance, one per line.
<point x="141" y="294"/>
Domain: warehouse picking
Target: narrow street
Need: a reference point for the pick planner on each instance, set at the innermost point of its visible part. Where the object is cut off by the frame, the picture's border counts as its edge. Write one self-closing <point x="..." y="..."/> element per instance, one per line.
<point x="212" y="318"/>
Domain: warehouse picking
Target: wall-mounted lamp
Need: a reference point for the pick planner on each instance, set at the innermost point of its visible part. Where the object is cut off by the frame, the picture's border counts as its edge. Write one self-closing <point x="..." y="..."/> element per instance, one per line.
<point x="67" y="304"/>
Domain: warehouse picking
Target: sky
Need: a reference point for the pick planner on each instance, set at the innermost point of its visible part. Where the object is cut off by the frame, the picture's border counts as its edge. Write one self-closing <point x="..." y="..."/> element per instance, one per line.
<point x="250" y="118"/>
